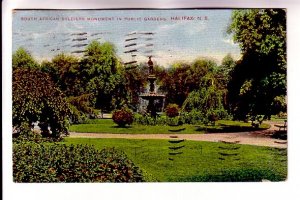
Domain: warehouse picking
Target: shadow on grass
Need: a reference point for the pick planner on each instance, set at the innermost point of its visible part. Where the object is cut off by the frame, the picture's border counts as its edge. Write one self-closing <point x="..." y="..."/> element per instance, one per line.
<point x="123" y="127"/>
<point x="223" y="128"/>
<point x="282" y="135"/>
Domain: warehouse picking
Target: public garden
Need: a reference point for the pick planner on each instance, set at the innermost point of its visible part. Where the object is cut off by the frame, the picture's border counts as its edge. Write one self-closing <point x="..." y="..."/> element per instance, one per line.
<point x="96" y="118"/>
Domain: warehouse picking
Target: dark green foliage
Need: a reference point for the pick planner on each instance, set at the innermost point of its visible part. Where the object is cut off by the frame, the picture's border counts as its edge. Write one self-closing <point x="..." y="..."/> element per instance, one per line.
<point x="123" y="117"/>
<point x="148" y="120"/>
<point x="32" y="136"/>
<point x="81" y="108"/>
<point x="205" y="99"/>
<point x="258" y="83"/>
<point x="182" y="78"/>
<point x="135" y="82"/>
<point x="206" y="103"/>
<point x="66" y="73"/>
<point x="192" y="117"/>
<point x="212" y="117"/>
<point x="225" y="69"/>
<point x="101" y="74"/>
<point x="184" y="118"/>
<point x="61" y="163"/>
<point x="172" y="110"/>
<point x="36" y="98"/>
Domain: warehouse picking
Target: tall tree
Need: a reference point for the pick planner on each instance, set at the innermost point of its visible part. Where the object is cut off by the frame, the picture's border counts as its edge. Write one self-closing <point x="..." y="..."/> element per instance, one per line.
<point x="22" y="59"/>
<point x="225" y="69"/>
<point x="135" y="83"/>
<point x="183" y="78"/>
<point x="65" y="72"/>
<point x="259" y="78"/>
<point x="100" y="72"/>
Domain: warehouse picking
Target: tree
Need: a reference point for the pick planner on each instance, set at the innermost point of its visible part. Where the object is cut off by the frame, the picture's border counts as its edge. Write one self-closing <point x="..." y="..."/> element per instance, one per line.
<point x="174" y="84"/>
<point x="135" y="82"/>
<point x="100" y="72"/>
<point x="183" y="78"/>
<point x="65" y="72"/>
<point x="259" y="78"/>
<point x="36" y="98"/>
<point x="225" y="69"/>
<point x="209" y="100"/>
<point x="22" y="59"/>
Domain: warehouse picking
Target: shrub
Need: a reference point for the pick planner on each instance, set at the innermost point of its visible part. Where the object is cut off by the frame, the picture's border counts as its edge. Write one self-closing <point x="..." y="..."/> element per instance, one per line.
<point x="81" y="108"/>
<point x="147" y="120"/>
<point x="192" y="117"/>
<point x="161" y="120"/>
<point x="61" y="163"/>
<point x="173" y="121"/>
<point x="172" y="110"/>
<point x="212" y="117"/>
<point x="123" y="117"/>
<point x="77" y="117"/>
<point x="27" y="135"/>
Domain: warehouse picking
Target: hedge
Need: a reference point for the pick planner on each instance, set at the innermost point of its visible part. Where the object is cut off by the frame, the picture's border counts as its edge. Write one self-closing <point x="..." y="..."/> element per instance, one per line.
<point x="34" y="162"/>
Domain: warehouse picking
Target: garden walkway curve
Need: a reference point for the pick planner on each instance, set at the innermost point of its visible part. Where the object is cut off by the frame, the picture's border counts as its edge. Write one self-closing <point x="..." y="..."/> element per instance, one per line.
<point x="259" y="138"/>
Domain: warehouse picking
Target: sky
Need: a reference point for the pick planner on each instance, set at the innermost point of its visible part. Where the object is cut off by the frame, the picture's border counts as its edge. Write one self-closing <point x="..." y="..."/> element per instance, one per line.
<point x="178" y="35"/>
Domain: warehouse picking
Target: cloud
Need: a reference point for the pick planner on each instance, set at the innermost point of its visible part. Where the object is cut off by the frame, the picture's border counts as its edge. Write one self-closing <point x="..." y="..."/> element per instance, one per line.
<point x="195" y="28"/>
<point x="229" y="41"/>
<point x="190" y="28"/>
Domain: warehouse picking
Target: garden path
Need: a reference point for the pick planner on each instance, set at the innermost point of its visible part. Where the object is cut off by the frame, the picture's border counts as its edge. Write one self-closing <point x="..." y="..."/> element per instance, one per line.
<point x="259" y="138"/>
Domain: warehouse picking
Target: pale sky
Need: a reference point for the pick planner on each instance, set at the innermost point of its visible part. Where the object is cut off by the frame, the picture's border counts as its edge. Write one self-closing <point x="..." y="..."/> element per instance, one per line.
<point x="194" y="33"/>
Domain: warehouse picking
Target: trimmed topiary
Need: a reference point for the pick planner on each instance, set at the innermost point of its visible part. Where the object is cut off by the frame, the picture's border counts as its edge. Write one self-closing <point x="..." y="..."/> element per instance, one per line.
<point x="123" y="117"/>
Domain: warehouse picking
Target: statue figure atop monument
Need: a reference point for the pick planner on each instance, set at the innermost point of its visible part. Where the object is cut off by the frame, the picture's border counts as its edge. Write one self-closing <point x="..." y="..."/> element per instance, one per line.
<point x="150" y="64"/>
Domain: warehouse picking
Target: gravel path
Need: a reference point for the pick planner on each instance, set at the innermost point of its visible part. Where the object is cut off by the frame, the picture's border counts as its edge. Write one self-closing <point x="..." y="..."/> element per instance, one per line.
<point x="259" y="138"/>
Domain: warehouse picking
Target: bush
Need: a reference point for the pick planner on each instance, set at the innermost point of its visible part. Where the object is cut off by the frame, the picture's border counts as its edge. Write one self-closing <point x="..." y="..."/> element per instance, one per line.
<point x="172" y="110"/>
<point x="32" y="136"/>
<point x="123" y="117"/>
<point x="192" y="117"/>
<point x="76" y="116"/>
<point x="81" y="108"/>
<point x="61" y="163"/>
<point x="147" y="120"/>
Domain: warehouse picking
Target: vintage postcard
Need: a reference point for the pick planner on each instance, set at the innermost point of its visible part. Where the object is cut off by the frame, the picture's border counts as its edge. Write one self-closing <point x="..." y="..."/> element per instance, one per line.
<point x="149" y="95"/>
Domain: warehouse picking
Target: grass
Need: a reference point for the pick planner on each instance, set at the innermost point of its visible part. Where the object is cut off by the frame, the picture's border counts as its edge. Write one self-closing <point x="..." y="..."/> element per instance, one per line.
<point x="275" y="118"/>
<point x="200" y="161"/>
<point x="108" y="126"/>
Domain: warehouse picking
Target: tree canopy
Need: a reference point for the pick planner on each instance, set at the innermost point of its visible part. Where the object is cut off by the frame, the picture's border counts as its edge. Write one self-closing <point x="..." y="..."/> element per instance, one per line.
<point x="22" y="59"/>
<point x="36" y="98"/>
<point x="65" y="72"/>
<point x="259" y="78"/>
<point x="182" y="78"/>
<point x="99" y="69"/>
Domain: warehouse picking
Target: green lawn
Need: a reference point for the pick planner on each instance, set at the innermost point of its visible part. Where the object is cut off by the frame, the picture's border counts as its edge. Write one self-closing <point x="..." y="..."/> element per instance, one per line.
<point x="199" y="160"/>
<point x="275" y="118"/>
<point x="108" y="126"/>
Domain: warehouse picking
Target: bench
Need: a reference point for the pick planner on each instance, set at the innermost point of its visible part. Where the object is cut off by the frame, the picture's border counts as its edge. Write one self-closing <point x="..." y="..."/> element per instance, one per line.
<point x="284" y="126"/>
